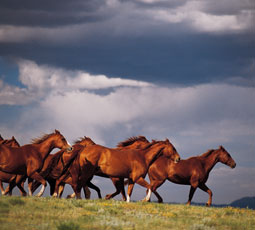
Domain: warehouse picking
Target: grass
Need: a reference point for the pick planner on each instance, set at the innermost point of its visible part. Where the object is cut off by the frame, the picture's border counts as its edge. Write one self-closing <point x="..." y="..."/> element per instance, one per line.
<point x="62" y="214"/>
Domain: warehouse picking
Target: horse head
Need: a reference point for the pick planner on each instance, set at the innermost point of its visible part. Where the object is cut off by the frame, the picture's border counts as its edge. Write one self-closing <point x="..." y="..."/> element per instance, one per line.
<point x="10" y="142"/>
<point x="225" y="158"/>
<point x="14" y="143"/>
<point x="85" y="141"/>
<point x="169" y="151"/>
<point x="60" y="142"/>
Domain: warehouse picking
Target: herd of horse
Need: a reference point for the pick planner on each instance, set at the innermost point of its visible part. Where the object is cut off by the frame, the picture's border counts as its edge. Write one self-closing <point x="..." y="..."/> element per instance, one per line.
<point x="128" y="163"/>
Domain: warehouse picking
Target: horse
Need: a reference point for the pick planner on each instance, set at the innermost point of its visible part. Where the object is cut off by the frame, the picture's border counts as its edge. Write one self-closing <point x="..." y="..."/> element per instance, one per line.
<point x="129" y="163"/>
<point x="193" y="171"/>
<point x="130" y="143"/>
<point x="6" y="177"/>
<point x="56" y="165"/>
<point x="28" y="159"/>
<point x="9" y="142"/>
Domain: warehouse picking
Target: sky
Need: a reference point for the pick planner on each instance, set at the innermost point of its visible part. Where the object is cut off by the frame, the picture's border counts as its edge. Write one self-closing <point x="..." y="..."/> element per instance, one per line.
<point x="112" y="69"/>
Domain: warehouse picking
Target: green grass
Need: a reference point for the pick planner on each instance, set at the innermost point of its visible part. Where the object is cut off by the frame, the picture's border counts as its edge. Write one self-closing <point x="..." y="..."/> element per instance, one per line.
<point x="62" y="214"/>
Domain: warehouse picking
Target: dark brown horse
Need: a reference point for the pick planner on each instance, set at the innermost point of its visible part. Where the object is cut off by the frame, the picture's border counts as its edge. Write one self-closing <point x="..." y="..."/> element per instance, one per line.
<point x="7" y="177"/>
<point x="28" y="159"/>
<point x="193" y="171"/>
<point x="129" y="163"/>
<point x="131" y="143"/>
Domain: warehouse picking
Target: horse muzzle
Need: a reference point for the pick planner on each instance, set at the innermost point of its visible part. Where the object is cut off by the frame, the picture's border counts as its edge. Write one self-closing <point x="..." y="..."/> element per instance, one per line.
<point x="233" y="165"/>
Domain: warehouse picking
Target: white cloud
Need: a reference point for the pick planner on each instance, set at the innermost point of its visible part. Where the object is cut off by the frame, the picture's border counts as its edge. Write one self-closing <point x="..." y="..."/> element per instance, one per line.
<point x="192" y="13"/>
<point x="39" y="80"/>
<point x="214" y="113"/>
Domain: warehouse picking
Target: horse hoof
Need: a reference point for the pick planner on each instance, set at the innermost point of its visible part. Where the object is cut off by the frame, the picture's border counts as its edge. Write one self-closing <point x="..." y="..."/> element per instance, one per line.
<point x="207" y="205"/>
<point x="108" y="197"/>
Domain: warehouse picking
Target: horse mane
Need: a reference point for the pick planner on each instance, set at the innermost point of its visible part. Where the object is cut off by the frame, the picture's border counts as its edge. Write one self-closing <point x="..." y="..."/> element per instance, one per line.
<point x="208" y="153"/>
<point x="39" y="140"/>
<point x="78" y="141"/>
<point x="131" y="140"/>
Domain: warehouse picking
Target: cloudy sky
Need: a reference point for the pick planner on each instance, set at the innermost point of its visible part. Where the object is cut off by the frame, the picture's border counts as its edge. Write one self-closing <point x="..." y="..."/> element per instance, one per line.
<point x="111" y="69"/>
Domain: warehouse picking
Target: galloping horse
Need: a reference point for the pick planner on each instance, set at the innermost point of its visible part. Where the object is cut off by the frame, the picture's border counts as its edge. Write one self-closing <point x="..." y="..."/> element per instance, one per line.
<point x="9" y="142"/>
<point x="131" y="143"/>
<point x="6" y="177"/>
<point x="57" y="165"/>
<point x="28" y="159"/>
<point x="128" y="163"/>
<point x="193" y="171"/>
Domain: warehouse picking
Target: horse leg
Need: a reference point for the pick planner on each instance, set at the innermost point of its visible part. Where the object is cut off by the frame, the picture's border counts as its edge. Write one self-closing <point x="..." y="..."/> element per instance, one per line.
<point x="2" y="187"/>
<point x="31" y="188"/>
<point x="91" y="185"/>
<point x="206" y="189"/>
<point x="191" y="193"/>
<point x="12" y="184"/>
<point x="20" y="180"/>
<point x="119" y="185"/>
<point x="61" y="189"/>
<point x="52" y="183"/>
<point x="154" y="185"/>
<point x="87" y="192"/>
<point x="36" y="176"/>
<point x="145" y="184"/>
<point x="130" y="189"/>
<point x="58" y="182"/>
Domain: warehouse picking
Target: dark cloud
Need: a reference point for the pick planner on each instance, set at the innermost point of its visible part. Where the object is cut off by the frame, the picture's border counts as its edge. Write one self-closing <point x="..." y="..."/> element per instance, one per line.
<point x="229" y="7"/>
<point x="50" y="13"/>
<point x="157" y="4"/>
<point x="175" y="60"/>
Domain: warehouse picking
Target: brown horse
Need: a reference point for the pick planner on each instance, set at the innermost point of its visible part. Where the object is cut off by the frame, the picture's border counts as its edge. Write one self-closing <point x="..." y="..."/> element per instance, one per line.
<point x="28" y="159"/>
<point x="131" y="143"/>
<point x="129" y="163"/>
<point x="66" y="178"/>
<point x="56" y="165"/>
<point x="193" y="171"/>
<point x="9" y="142"/>
<point x="6" y="177"/>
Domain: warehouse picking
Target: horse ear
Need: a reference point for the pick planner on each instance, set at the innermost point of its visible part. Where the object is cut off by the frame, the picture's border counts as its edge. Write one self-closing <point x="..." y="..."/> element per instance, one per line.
<point x="13" y="137"/>
<point x="57" y="132"/>
<point x="167" y="140"/>
<point x="221" y="147"/>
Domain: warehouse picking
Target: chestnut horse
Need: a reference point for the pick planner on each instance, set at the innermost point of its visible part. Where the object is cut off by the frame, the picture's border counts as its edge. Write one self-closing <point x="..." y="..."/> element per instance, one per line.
<point x="9" y="142"/>
<point x="28" y="159"/>
<point x="129" y="163"/>
<point x="130" y="143"/>
<point x="56" y="165"/>
<point x="6" y="177"/>
<point x="66" y="178"/>
<point x="193" y="171"/>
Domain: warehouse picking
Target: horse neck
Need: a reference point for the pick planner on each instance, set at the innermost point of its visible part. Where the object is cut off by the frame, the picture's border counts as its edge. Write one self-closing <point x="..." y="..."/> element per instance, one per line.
<point x="151" y="154"/>
<point x="45" y="147"/>
<point x="210" y="161"/>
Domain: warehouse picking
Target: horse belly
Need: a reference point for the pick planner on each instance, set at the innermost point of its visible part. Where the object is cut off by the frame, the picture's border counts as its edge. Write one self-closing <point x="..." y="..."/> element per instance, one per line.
<point x="115" y="170"/>
<point x="179" y="179"/>
<point x="5" y="177"/>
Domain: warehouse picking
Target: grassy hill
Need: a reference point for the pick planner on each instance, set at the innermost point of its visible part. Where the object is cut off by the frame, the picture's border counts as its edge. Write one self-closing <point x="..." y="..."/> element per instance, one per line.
<point x="62" y="214"/>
